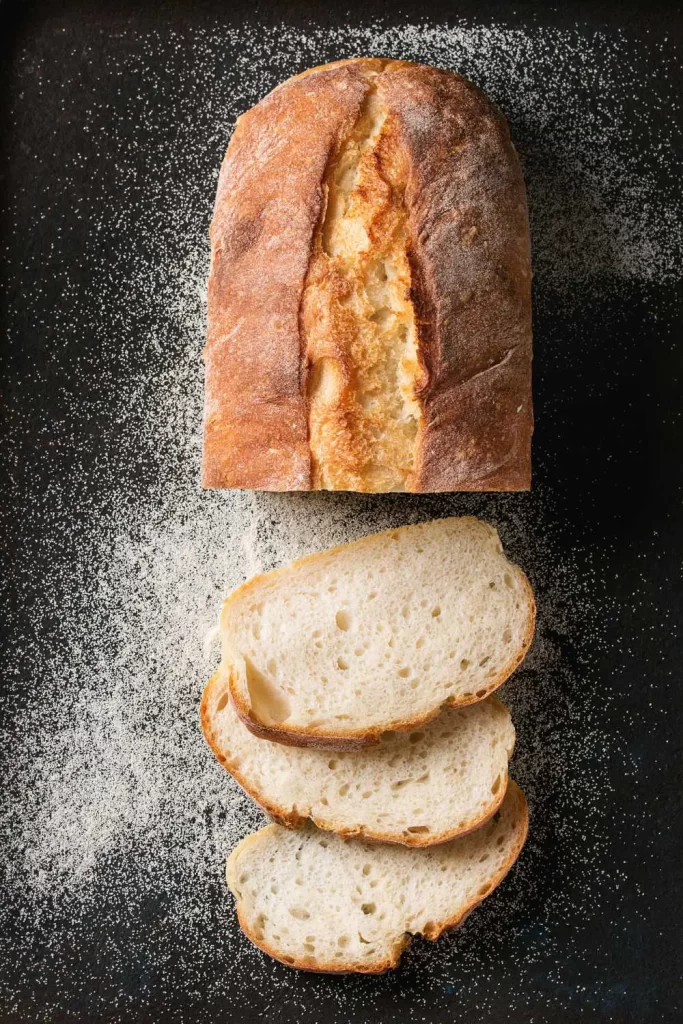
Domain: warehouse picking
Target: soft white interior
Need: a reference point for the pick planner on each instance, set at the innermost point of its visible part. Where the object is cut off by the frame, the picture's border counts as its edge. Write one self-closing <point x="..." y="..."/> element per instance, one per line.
<point x="379" y="631"/>
<point x="443" y="778"/>
<point x="316" y="899"/>
<point x="364" y="413"/>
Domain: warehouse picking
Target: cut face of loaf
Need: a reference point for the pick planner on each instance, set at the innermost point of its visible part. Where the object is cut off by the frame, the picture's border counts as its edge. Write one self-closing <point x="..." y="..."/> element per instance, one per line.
<point x="376" y="635"/>
<point x="321" y="903"/>
<point x="369" y="299"/>
<point x="416" y="788"/>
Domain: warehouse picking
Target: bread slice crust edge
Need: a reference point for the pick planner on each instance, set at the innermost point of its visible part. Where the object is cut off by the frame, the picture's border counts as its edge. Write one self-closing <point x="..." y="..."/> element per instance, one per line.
<point x="293" y="819"/>
<point x="432" y="934"/>
<point x="305" y="736"/>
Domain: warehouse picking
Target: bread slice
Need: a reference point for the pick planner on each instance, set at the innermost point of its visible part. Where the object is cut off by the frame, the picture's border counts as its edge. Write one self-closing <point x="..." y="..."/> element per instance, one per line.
<point x="322" y="903"/>
<point x="416" y="788"/>
<point x="376" y="635"/>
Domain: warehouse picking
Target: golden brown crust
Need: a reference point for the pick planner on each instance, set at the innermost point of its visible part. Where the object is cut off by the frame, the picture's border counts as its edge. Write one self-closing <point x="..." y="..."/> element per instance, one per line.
<point x="217" y="686"/>
<point x="471" y="263"/>
<point x="255" y="419"/>
<point x="357" y="322"/>
<point x="433" y="933"/>
<point x="470" y="275"/>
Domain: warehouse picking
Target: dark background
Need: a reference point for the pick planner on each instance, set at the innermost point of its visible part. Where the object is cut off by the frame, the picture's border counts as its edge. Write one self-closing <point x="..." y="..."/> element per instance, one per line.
<point x="608" y="458"/>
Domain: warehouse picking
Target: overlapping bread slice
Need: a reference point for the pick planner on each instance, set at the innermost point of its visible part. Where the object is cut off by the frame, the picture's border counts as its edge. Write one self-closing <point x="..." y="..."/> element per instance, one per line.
<point x="322" y="903"/>
<point x="376" y="635"/>
<point x="416" y="788"/>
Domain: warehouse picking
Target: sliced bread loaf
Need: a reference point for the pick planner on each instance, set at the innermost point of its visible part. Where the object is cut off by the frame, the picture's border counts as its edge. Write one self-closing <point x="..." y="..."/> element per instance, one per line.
<point x="376" y="635"/>
<point x="416" y="788"/>
<point x="322" y="903"/>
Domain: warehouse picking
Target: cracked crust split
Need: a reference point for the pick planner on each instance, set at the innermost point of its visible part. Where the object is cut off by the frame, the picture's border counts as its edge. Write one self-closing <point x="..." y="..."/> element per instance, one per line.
<point x="358" y="323"/>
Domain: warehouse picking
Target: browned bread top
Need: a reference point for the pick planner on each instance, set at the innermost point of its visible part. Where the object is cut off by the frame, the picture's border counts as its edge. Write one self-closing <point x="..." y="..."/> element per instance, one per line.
<point x="369" y="298"/>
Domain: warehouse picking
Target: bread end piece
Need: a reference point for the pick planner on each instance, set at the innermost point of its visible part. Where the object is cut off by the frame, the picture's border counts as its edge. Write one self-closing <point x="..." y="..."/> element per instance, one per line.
<point x="438" y="187"/>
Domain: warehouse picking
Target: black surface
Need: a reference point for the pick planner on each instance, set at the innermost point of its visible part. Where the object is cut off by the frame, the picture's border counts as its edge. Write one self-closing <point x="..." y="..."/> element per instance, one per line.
<point x="608" y="452"/>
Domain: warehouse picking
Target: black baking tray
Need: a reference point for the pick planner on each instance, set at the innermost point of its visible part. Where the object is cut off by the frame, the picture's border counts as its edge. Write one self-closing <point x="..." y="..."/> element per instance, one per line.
<point x="589" y="926"/>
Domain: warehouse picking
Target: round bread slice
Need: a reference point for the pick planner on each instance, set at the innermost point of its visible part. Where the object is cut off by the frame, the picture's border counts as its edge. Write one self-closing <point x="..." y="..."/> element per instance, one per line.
<point x="377" y="635"/>
<point x="321" y="903"/>
<point x="417" y="788"/>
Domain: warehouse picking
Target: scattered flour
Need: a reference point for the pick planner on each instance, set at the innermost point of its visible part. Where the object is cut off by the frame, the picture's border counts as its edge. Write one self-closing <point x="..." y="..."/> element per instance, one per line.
<point x="110" y="792"/>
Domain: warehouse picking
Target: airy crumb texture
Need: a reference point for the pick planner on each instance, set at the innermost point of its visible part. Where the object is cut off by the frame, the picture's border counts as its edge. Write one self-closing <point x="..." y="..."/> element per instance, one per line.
<point x="416" y="788"/>
<point x="357" y="320"/>
<point x="327" y="904"/>
<point x="378" y="634"/>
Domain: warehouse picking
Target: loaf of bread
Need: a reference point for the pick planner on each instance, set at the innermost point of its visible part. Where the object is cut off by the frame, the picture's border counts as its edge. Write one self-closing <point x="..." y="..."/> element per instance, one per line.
<point x="376" y="635"/>
<point x="321" y="903"/>
<point x="417" y="788"/>
<point x="369" y="321"/>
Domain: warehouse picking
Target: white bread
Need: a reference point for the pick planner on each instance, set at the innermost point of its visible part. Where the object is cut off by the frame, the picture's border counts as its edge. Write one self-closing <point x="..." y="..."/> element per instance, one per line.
<point x="376" y="635"/>
<point x="416" y="788"/>
<point x="322" y="903"/>
<point x="369" y="299"/>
